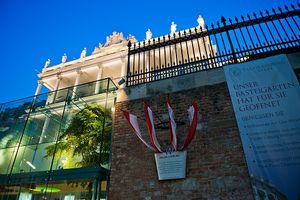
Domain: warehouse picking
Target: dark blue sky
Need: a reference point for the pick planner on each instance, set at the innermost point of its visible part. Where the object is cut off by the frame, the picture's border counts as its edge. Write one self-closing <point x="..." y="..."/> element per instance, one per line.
<point x="34" y="30"/>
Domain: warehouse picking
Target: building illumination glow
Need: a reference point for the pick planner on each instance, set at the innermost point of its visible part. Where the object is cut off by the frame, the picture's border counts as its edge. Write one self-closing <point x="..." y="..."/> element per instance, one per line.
<point x="30" y="165"/>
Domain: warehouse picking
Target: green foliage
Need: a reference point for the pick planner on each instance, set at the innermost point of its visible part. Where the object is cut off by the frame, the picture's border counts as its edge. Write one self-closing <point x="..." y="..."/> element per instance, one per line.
<point x="12" y="122"/>
<point x="87" y="136"/>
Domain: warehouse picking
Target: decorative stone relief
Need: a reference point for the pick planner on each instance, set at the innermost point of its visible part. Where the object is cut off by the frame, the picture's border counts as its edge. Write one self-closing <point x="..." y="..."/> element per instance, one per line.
<point x="115" y="38"/>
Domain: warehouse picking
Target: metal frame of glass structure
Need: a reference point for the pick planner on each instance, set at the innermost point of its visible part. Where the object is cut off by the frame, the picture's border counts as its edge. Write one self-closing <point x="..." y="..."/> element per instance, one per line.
<point x="28" y="126"/>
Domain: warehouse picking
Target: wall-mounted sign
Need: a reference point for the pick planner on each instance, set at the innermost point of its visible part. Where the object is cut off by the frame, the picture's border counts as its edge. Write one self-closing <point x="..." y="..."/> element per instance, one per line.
<point x="265" y="95"/>
<point x="171" y="165"/>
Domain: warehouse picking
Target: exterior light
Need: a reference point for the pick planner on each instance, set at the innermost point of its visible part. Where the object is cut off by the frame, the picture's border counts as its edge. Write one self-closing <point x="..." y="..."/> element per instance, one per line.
<point x="30" y="165"/>
<point x="45" y="189"/>
<point x="113" y="109"/>
<point x="121" y="81"/>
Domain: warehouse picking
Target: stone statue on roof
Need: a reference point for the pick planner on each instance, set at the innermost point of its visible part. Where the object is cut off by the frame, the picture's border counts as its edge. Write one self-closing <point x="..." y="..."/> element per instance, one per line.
<point x="47" y="63"/>
<point x="173" y="27"/>
<point x="200" y="21"/>
<point x="148" y="34"/>
<point x="83" y="53"/>
<point x="64" y="58"/>
<point x="131" y="38"/>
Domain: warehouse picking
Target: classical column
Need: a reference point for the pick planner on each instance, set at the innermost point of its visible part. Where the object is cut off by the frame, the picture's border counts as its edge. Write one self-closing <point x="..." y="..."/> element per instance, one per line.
<point x="78" y="75"/>
<point x="59" y="78"/>
<point x="98" y="83"/>
<point x="39" y="87"/>
<point x="37" y="91"/>
<point x="45" y="127"/>
<point x="147" y="68"/>
<point x="123" y="70"/>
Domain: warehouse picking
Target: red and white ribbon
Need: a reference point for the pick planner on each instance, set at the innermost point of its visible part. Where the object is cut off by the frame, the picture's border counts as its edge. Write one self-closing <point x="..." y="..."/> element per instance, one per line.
<point x="151" y="130"/>
<point x="193" y="115"/>
<point x="154" y="144"/>
<point x="172" y="123"/>
<point x="132" y="120"/>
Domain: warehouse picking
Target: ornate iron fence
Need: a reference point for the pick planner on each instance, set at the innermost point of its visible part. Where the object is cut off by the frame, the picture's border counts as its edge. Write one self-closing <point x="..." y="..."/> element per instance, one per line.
<point x="203" y="48"/>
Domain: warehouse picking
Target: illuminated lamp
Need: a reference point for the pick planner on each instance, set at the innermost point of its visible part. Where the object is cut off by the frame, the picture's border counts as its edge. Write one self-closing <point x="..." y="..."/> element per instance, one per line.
<point x="44" y="189"/>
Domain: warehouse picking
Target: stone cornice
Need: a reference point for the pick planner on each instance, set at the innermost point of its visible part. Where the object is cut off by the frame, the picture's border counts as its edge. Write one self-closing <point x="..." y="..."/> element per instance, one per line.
<point x="86" y="63"/>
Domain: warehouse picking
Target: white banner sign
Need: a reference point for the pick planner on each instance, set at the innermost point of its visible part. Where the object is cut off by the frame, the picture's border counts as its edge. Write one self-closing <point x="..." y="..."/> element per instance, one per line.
<point x="171" y="165"/>
<point x="265" y="95"/>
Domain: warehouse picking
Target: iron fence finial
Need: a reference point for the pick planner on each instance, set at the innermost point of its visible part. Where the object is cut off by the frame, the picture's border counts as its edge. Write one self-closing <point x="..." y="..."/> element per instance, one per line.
<point x="267" y="12"/>
<point x="293" y="6"/>
<point x="287" y="8"/>
<point x="129" y="44"/>
<point x="223" y="20"/>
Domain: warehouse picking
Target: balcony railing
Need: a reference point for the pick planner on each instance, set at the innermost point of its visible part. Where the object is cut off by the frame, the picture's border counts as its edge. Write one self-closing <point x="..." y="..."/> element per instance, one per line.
<point x="81" y="91"/>
<point x="203" y="48"/>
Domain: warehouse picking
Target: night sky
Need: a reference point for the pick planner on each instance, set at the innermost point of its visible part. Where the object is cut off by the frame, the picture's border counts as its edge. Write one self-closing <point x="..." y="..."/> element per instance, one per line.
<point x="33" y="31"/>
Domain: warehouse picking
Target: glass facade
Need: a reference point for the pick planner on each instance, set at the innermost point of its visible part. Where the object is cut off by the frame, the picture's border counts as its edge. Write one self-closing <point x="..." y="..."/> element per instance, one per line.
<point x="39" y="161"/>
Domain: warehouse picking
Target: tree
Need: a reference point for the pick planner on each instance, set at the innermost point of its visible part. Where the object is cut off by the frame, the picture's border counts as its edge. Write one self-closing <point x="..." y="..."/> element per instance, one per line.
<point x="87" y="136"/>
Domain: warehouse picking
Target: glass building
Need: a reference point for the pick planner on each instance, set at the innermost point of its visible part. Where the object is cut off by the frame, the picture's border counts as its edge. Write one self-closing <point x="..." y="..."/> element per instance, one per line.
<point x="33" y="163"/>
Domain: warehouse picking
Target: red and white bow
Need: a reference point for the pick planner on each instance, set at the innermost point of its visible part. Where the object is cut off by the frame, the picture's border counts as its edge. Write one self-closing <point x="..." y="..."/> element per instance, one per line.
<point x="154" y="144"/>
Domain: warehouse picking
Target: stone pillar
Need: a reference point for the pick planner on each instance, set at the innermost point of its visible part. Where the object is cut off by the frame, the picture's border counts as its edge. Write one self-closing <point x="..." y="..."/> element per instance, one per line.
<point x="123" y="70"/>
<point x="123" y="67"/>
<point x="37" y="91"/>
<point x="99" y="76"/>
<point x="79" y="72"/>
<point x="59" y="78"/>
<point x="45" y="127"/>
<point x="147" y="64"/>
<point x="39" y="87"/>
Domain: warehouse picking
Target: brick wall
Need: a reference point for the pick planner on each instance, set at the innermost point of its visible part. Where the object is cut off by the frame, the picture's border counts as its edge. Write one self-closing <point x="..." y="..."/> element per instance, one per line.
<point x="216" y="167"/>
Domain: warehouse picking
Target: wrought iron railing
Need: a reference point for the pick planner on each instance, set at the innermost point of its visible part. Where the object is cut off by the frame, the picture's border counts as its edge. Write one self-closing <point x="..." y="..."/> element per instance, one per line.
<point x="203" y="48"/>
